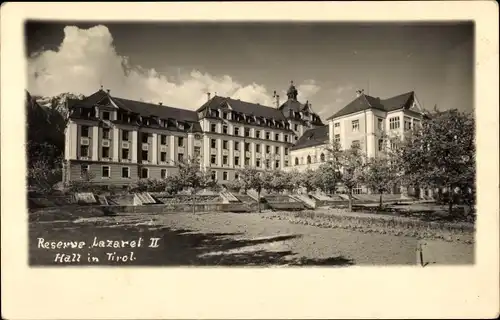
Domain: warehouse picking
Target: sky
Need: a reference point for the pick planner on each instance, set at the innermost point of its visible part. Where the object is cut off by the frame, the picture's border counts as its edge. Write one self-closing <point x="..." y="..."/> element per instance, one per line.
<point x="178" y="63"/>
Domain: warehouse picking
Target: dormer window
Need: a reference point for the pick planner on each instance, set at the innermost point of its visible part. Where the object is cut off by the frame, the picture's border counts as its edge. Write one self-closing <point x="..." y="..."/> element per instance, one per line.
<point x="181" y="126"/>
<point x="105" y="115"/>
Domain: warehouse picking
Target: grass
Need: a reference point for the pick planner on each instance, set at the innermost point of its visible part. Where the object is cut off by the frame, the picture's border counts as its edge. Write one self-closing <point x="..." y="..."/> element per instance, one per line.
<point x="383" y="224"/>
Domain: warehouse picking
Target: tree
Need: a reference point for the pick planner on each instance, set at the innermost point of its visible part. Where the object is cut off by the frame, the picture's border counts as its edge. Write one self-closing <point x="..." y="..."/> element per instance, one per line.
<point x="173" y="184"/>
<point x="193" y="178"/>
<point x="308" y="180"/>
<point x="275" y="180"/>
<point x="379" y="174"/>
<point x="253" y="179"/>
<point x="327" y="178"/>
<point x="349" y="163"/>
<point x="43" y="176"/>
<point x="440" y="153"/>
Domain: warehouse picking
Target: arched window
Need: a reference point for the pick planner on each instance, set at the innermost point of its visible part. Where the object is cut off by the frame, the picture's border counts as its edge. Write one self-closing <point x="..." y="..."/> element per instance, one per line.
<point x="308" y="159"/>
<point x="296" y="161"/>
<point x="322" y="157"/>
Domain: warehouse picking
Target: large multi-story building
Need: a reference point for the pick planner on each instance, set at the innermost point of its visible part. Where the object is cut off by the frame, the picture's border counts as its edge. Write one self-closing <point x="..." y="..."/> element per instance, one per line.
<point x="119" y="141"/>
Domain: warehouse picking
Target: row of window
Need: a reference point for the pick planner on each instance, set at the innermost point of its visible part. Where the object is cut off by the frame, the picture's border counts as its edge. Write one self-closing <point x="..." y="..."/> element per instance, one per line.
<point x="125" y="172"/>
<point x="394" y="123"/>
<point x="250" y="119"/>
<point x="246" y="132"/>
<point x="246" y="146"/>
<point x="125" y="152"/>
<point x="309" y="159"/>
<point x="236" y="162"/>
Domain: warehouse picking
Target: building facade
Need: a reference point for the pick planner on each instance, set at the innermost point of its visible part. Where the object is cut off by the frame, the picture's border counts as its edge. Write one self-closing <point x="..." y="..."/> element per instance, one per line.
<point x="116" y="141"/>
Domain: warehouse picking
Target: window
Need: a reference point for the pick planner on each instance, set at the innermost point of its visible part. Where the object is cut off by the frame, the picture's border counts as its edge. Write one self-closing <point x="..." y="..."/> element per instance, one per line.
<point x="105" y="171"/>
<point x="380" y="144"/>
<point x="322" y="157"/>
<point x="277" y="150"/>
<point x="394" y="123"/>
<point x="213" y="143"/>
<point x="247" y="132"/>
<point x="213" y="175"/>
<point x="144" y="155"/>
<point x="247" y="161"/>
<point x="268" y="135"/>
<point x="84" y="169"/>
<point x="213" y="127"/>
<point x="355" y="144"/>
<point x="213" y="159"/>
<point x="236" y="131"/>
<point x="355" y="125"/>
<point x="337" y="138"/>
<point x="277" y="137"/>
<point x="84" y="151"/>
<point x="180" y="157"/>
<point x="125" y="153"/>
<point x="277" y="164"/>
<point x="257" y="163"/>
<point x="105" y="152"/>
<point x="197" y="137"/>
<point x="224" y="115"/>
<point x="224" y="175"/>
<point x="337" y="125"/>
<point x="163" y="156"/>
<point x="236" y="161"/>
<point x="163" y="139"/>
<point x="197" y="151"/>
<point x="85" y="131"/>
<point x="105" y="115"/>
<point x="257" y="134"/>
<point x="163" y="173"/>
<point x="257" y="148"/>
<point x="296" y="127"/>
<point x="224" y="129"/>
<point x="394" y="146"/>
<point x="380" y="124"/>
<point x="224" y="160"/>
<point x="286" y="151"/>
<point x="296" y="161"/>
<point x="180" y="141"/>
<point x="144" y="173"/>
<point x="125" y="135"/>
<point x="268" y="149"/>
<point x="247" y="146"/>
<point x="286" y="163"/>
<point x="236" y="146"/>
<point x="286" y="137"/>
<point x="407" y="124"/>
<point x="125" y="172"/>
<point x="296" y="138"/>
<point x="105" y="133"/>
<point x="224" y="144"/>
<point x="145" y="137"/>
<point x="236" y="176"/>
<point x="267" y="164"/>
<point x="416" y="123"/>
<point x="308" y="159"/>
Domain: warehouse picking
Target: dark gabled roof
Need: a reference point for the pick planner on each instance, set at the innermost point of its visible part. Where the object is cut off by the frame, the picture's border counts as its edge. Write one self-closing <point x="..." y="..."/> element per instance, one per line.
<point x="150" y="109"/>
<point x="244" y="107"/>
<point x="365" y="102"/>
<point x="312" y="137"/>
<point x="88" y="101"/>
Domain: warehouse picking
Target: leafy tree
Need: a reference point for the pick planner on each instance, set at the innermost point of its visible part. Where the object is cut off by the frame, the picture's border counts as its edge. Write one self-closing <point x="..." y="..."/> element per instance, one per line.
<point x="349" y="163"/>
<point x="253" y="179"/>
<point x="43" y="176"/>
<point x="440" y="153"/>
<point x="379" y="174"/>
<point x="308" y="180"/>
<point x="327" y="178"/>
<point x="173" y="184"/>
<point x="275" y="180"/>
<point x="193" y="178"/>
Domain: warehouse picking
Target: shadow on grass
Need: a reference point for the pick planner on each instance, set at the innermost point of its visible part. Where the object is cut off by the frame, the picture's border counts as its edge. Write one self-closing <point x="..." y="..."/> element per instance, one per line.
<point x="176" y="247"/>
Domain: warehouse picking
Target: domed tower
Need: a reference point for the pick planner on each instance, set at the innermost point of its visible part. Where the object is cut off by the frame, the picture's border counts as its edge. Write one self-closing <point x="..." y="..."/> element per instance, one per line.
<point x="292" y="92"/>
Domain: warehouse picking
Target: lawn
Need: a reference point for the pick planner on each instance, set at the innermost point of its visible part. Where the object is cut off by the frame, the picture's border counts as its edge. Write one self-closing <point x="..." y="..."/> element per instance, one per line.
<point x="223" y="239"/>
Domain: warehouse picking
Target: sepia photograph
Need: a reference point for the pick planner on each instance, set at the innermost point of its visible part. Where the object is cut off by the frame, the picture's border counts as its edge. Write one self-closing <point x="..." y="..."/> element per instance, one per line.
<point x="250" y="144"/>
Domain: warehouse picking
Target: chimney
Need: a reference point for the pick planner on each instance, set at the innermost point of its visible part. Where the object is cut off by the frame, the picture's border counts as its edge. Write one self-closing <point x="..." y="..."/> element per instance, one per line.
<point x="160" y="103"/>
<point x="208" y="96"/>
<point x="108" y="90"/>
<point x="277" y="96"/>
<point x="360" y="92"/>
<point x="101" y="86"/>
